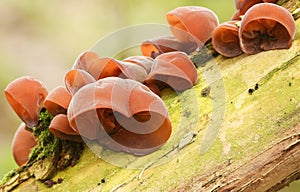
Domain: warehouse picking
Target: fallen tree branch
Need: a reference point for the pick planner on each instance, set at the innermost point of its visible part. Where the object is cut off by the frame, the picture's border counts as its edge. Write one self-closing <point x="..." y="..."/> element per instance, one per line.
<point x="257" y="148"/>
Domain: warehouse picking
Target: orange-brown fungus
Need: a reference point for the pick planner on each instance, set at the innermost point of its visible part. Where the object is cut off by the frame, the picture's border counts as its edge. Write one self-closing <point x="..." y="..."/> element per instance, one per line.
<point x="174" y="69"/>
<point x="192" y="23"/>
<point x="120" y="114"/>
<point x="156" y="46"/>
<point x="58" y="100"/>
<point x="26" y="95"/>
<point x="22" y="144"/>
<point x="225" y="39"/>
<point x="60" y="127"/>
<point x="266" y="26"/>
<point x="77" y="78"/>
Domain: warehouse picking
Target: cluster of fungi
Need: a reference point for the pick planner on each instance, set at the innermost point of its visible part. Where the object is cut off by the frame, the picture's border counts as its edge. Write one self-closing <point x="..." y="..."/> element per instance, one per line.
<point x="257" y="25"/>
<point x="117" y="103"/>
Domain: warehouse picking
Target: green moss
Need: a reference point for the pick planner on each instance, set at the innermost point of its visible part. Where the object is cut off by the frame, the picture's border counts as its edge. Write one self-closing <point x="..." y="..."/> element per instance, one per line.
<point x="47" y="143"/>
<point x="7" y="176"/>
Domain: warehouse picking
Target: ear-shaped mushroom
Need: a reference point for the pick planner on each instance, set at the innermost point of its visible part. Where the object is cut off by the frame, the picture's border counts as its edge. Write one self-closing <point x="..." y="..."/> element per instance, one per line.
<point x="192" y="23"/>
<point x="121" y="114"/>
<point x="104" y="67"/>
<point x="236" y="16"/>
<point x="58" y="100"/>
<point x="26" y="95"/>
<point x="225" y="39"/>
<point x="60" y="127"/>
<point x="98" y="67"/>
<point x="77" y="78"/>
<point x="266" y="26"/>
<point x="85" y="59"/>
<point x="174" y="69"/>
<point x="22" y="144"/>
<point x="246" y="4"/>
<point x="109" y="67"/>
<point x="154" y="47"/>
<point x="243" y="5"/>
<point x="132" y="71"/>
<point x="143" y="61"/>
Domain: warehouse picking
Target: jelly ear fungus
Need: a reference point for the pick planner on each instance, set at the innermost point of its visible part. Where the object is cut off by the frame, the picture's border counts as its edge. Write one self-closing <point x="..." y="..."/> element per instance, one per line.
<point x="156" y="46"/>
<point x="26" y="95"/>
<point x="266" y="26"/>
<point x="85" y="59"/>
<point x="142" y="61"/>
<point x="173" y="69"/>
<point x="103" y="67"/>
<point x="77" y="78"/>
<point x="243" y="5"/>
<point x="112" y="105"/>
<point x="22" y="144"/>
<point x="58" y="100"/>
<point x="60" y="127"/>
<point x="192" y="24"/>
<point x="225" y="39"/>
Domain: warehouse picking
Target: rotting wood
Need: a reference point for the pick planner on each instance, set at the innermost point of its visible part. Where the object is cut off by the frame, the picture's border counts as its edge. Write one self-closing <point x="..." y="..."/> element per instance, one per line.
<point x="270" y="168"/>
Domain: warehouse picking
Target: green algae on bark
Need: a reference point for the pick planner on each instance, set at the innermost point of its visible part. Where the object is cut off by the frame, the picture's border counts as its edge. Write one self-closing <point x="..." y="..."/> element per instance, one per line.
<point x="252" y="124"/>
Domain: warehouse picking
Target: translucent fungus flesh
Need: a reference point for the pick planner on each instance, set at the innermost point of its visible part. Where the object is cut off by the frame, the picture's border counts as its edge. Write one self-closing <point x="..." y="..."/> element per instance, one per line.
<point x="116" y="108"/>
<point x="26" y="95"/>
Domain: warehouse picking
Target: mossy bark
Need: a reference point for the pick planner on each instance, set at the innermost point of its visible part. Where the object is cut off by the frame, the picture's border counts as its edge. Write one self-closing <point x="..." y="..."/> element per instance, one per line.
<point x="256" y="146"/>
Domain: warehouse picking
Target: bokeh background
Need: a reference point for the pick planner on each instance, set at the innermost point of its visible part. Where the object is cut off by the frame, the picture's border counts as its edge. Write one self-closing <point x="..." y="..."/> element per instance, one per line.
<point x="43" y="38"/>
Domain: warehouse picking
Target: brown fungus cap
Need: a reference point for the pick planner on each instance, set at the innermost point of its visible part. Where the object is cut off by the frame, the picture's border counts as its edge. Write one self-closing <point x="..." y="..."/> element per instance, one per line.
<point x="192" y="23"/>
<point x="132" y="71"/>
<point x="26" y="95"/>
<point x="243" y="5"/>
<point x="225" y="39"/>
<point x="103" y="67"/>
<point x="22" y="144"/>
<point x="159" y="45"/>
<point x="266" y="26"/>
<point x="143" y="61"/>
<point x="246" y="4"/>
<point x="85" y="59"/>
<point x="98" y="67"/>
<point x="58" y="100"/>
<point x="174" y="69"/>
<point x="120" y="114"/>
<point x="77" y="78"/>
<point x="60" y="127"/>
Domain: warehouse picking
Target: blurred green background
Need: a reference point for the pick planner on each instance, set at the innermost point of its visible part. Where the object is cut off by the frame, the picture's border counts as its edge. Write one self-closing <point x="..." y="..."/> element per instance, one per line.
<point x="43" y="38"/>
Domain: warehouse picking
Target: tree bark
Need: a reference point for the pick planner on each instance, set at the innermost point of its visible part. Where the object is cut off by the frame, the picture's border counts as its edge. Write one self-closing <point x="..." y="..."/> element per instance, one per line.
<point x="243" y="136"/>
